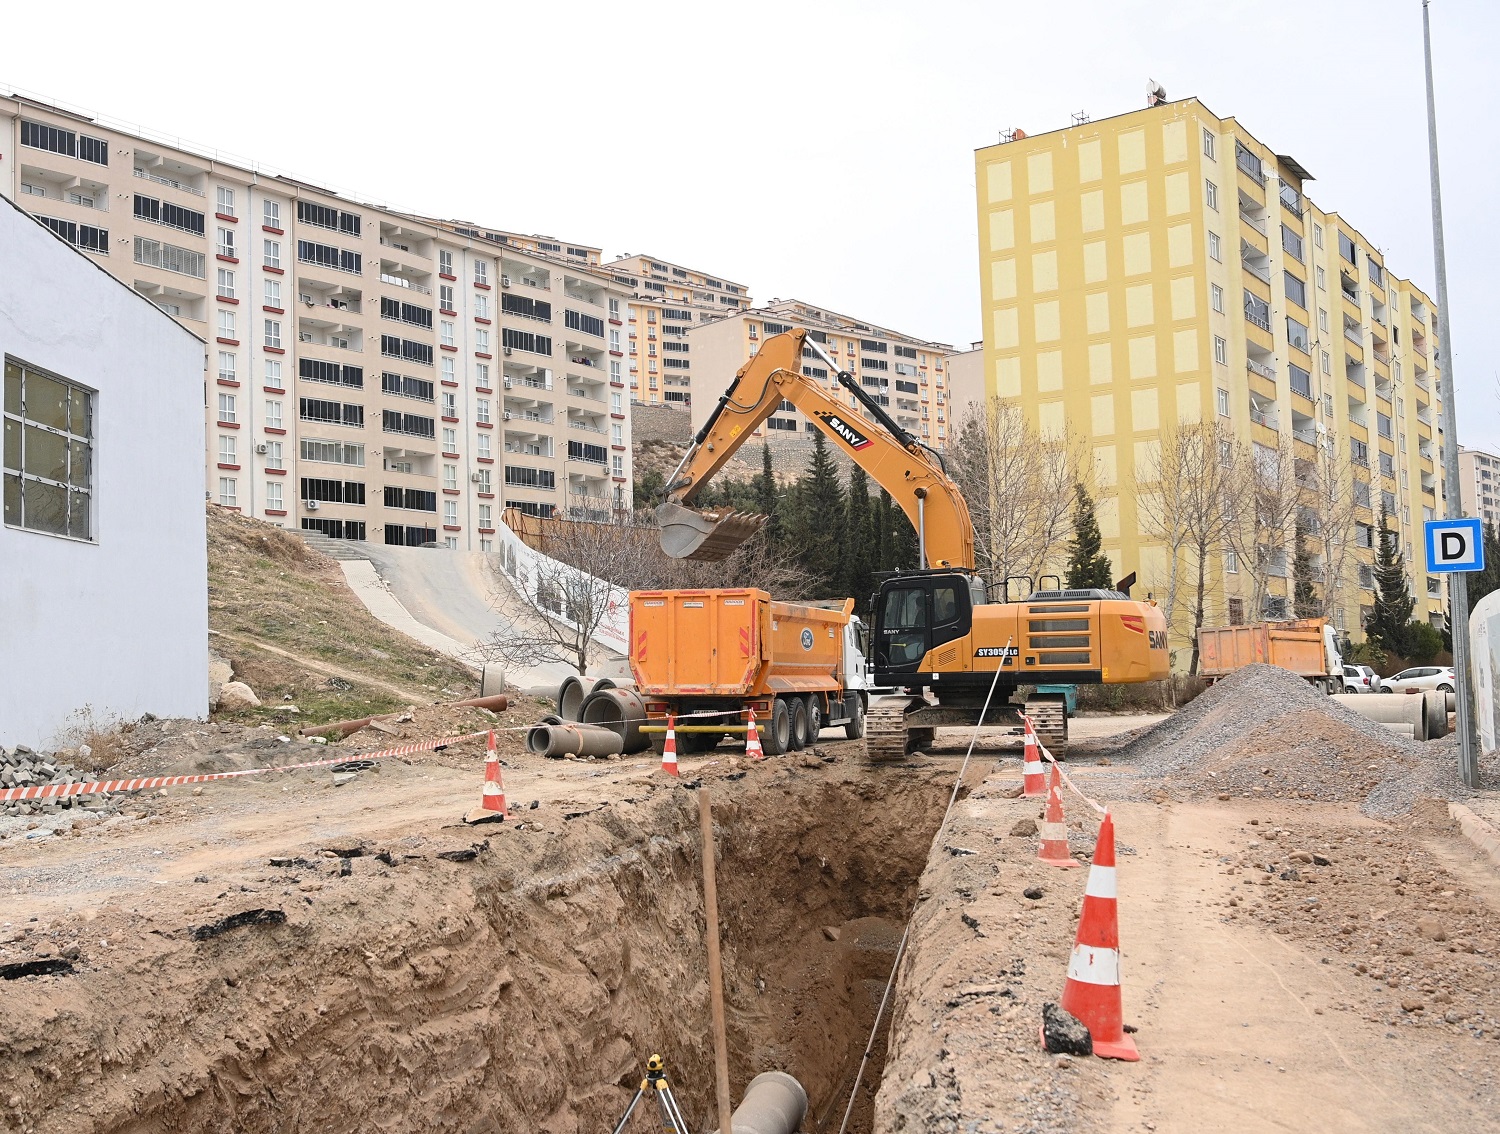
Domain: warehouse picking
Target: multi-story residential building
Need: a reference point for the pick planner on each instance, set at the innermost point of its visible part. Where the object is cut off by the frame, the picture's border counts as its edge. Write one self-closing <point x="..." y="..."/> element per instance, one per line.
<point x="1165" y="266"/>
<point x="907" y="375"/>
<point x="667" y="301"/>
<point x="371" y="374"/>
<point x="1479" y="484"/>
<point x="966" y="380"/>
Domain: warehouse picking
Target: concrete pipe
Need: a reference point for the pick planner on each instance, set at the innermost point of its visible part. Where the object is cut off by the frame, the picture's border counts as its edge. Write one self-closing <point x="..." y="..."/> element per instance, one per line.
<point x="555" y="741"/>
<point x="774" y="1103"/>
<point x="1452" y="700"/>
<point x="571" y="694"/>
<point x="1388" y="708"/>
<point x="1405" y="730"/>
<point x="552" y="718"/>
<point x="622" y="711"/>
<point x="1437" y="714"/>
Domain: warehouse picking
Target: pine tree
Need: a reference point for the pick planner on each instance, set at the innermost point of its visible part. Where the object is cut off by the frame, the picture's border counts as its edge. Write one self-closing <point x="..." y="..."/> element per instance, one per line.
<point x="1305" y="603"/>
<point x="1088" y="566"/>
<point x="881" y="524"/>
<point x="767" y="498"/>
<point x="857" y="540"/>
<point x="1389" y="624"/>
<point x="905" y="547"/>
<point x="814" y="528"/>
<point x="1481" y="583"/>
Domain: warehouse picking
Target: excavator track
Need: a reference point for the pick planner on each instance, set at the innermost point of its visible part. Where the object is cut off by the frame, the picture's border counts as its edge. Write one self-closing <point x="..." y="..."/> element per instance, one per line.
<point x="1049" y="714"/>
<point x="885" y="728"/>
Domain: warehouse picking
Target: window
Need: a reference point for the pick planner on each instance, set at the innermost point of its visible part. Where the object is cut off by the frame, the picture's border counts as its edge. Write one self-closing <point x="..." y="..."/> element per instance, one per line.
<point x="393" y="347"/>
<point x="1216" y="297"/>
<point x="1347" y="248"/>
<point x="270" y="214"/>
<point x="226" y="201"/>
<point x="1327" y="363"/>
<point x="450" y="513"/>
<point x="273" y="374"/>
<point x="588" y="324"/>
<point x="225" y="242"/>
<point x="271" y="253"/>
<point x="481" y="306"/>
<point x="1208" y="143"/>
<point x="486" y="512"/>
<point x="331" y="413"/>
<point x="445" y="262"/>
<point x="617" y="434"/>
<point x="617" y="465"/>
<point x="310" y="212"/>
<point x="1215" y="247"/>
<point x="227" y="366"/>
<point x="1322" y="280"/>
<point x="333" y="452"/>
<point x="40" y="136"/>
<point x="273" y="496"/>
<point x="445" y="332"/>
<point x="481" y="375"/>
<point x="273" y="333"/>
<point x="482" y="272"/>
<point x="183" y="261"/>
<point x="84" y="236"/>
<point x="482" y="445"/>
<point x="48" y="452"/>
<point x="450" y="477"/>
<point x="1210" y="194"/>
<point x="1296" y="334"/>
<point x="1291" y="243"/>
<point x="614" y="340"/>
<point x="447" y="367"/>
<point x="482" y="410"/>
<point x="1221" y="350"/>
<point x="326" y="255"/>
<point x="315" y="370"/>
<point x="1296" y="290"/>
<point x="528" y="478"/>
<point x="1301" y="381"/>
<point x="483" y="483"/>
<point x="415" y="425"/>
<point x="445" y="297"/>
<point x="525" y="340"/>
<point x="1226" y="453"/>
<point x="450" y="404"/>
<point x="1231" y="564"/>
<point x="482" y="340"/>
<point x="227" y="449"/>
<point x="226" y="407"/>
<point x="226" y="325"/>
<point x="273" y="414"/>
<point x="226" y="283"/>
<point x="450" y="440"/>
<point x="1318" y="235"/>
<point x="1222" y="397"/>
<point x="227" y="494"/>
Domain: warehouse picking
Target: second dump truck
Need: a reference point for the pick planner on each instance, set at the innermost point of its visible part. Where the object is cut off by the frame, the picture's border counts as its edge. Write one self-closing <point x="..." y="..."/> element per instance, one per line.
<point x="709" y="657"/>
<point x="1308" y="647"/>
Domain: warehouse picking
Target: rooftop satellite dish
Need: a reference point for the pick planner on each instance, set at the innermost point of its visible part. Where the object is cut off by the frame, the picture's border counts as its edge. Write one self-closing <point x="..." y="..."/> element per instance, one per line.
<point x="1155" y="93"/>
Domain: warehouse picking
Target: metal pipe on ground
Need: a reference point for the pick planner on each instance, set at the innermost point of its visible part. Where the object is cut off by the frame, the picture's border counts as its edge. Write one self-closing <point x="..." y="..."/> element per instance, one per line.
<point x="556" y="741"/>
<point x="1388" y="708"/>
<point x="571" y="695"/>
<point x="495" y="704"/>
<point x="774" y="1103"/>
<point x="621" y="711"/>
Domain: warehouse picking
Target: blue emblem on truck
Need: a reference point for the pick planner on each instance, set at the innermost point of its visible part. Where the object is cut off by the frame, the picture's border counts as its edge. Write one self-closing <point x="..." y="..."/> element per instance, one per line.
<point x="807" y="639"/>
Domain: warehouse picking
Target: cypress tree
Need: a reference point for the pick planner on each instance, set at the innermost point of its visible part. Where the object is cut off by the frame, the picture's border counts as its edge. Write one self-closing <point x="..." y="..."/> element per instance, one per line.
<point x="905" y="554"/>
<point x="858" y="542"/>
<point x="1389" y="624"/>
<point x="815" y="529"/>
<point x="1481" y="583"/>
<point x="767" y="499"/>
<point x="1305" y="602"/>
<point x="1088" y="566"/>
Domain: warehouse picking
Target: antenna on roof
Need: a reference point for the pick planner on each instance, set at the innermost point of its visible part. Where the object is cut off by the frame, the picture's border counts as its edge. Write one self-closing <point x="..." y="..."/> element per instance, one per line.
<point x="1155" y="93"/>
<point x="1080" y="118"/>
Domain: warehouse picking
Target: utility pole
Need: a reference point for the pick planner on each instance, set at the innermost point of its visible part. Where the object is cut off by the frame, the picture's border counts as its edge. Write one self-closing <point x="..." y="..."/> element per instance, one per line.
<point x="1458" y="592"/>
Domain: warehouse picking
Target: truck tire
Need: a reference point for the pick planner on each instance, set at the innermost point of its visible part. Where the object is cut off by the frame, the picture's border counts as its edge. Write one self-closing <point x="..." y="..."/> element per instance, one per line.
<point x="776" y="737"/>
<point x="855" y="728"/>
<point x="798" y="709"/>
<point x="814" y="718"/>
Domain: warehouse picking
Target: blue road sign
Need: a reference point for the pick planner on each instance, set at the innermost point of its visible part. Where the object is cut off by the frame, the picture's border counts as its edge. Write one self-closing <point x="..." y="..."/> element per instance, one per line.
<point x="1454" y="545"/>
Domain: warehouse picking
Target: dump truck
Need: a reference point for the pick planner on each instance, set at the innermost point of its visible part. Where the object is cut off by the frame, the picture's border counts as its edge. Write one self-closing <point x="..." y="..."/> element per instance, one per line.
<point x="800" y="668"/>
<point x="1308" y="647"/>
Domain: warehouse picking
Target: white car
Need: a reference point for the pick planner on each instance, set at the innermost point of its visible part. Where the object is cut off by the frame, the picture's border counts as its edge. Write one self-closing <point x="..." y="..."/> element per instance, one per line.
<point x="1420" y="678"/>
<point x="1377" y="683"/>
<point x="1356" y="681"/>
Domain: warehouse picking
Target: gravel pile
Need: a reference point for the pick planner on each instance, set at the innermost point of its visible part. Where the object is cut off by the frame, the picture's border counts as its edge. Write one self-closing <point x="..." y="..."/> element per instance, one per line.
<point x="23" y="767"/>
<point x="1435" y="776"/>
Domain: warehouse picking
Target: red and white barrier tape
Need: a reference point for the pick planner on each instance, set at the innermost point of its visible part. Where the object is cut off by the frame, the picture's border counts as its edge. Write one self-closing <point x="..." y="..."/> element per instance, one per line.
<point x="1100" y="808"/>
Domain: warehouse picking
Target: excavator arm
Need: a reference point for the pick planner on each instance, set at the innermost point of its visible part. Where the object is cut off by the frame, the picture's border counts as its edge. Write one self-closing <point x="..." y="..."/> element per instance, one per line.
<point x="892" y="456"/>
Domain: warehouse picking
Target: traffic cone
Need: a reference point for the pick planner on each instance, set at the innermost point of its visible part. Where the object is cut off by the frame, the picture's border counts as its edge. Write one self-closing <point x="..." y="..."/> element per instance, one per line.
<point x="1054" y="848"/>
<point x="1092" y="992"/>
<point x="492" y="804"/>
<point x="752" y="739"/>
<point x="669" y="752"/>
<point x="1033" y="779"/>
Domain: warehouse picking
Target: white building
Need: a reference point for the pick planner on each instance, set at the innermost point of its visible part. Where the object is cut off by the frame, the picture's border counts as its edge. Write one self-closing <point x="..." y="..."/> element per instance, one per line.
<point x="105" y="598"/>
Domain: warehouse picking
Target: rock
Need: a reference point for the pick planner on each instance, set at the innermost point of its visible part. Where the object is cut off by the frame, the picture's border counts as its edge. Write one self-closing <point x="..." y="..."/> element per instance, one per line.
<point x="236" y="695"/>
<point x="1301" y="856"/>
<point x="1063" y="1033"/>
<point x="1412" y="1006"/>
<point x="1024" y="828"/>
<point x="1322" y="860"/>
<point x="1432" y="928"/>
<point x="831" y="932"/>
<point x="381" y="726"/>
<point x="1223" y="796"/>
<point x="342" y="778"/>
<point x="1032" y="892"/>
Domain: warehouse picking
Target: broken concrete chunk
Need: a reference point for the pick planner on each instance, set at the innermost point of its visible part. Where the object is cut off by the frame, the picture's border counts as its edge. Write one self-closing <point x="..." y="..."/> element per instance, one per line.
<point x="1063" y="1033"/>
<point x="1024" y="828"/>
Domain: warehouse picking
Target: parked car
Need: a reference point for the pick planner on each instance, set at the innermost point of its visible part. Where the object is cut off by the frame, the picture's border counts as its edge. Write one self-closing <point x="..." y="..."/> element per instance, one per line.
<point x="1421" y="677"/>
<point x="1377" y="683"/>
<point x="1355" y="681"/>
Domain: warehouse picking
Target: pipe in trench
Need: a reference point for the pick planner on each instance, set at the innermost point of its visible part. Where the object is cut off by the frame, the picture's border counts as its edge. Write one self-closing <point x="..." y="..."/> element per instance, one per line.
<point x="621" y="711"/>
<point x="774" y="1103"/>
<point x="573" y="740"/>
<point x="1388" y="708"/>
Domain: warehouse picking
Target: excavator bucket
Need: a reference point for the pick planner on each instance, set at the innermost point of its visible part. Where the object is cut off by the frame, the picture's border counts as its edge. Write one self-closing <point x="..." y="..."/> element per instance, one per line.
<point x="704" y="536"/>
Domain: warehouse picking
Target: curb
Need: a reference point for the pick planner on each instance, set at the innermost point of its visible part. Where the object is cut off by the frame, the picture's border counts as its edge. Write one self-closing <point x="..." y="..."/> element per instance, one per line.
<point x="1482" y="834"/>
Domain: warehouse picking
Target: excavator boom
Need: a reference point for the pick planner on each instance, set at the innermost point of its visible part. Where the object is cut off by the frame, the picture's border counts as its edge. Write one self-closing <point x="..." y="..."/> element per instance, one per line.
<point x="894" y="459"/>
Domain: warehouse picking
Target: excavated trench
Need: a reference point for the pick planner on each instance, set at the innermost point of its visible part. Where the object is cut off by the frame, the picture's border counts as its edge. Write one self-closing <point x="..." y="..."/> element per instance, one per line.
<point x="519" y="991"/>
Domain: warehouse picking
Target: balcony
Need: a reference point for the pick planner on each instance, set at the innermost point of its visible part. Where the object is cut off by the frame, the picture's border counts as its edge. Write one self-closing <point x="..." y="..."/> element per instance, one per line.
<point x="1253" y="216"/>
<point x="402" y="281"/>
<point x="584" y="392"/>
<point x="586" y="426"/>
<point x="170" y="182"/>
<point x="1258" y="313"/>
<point x="1291" y="201"/>
<point x="1260" y="368"/>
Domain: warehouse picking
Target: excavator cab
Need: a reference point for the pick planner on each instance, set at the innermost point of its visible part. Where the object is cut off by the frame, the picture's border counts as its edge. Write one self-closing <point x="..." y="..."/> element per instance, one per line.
<point x="914" y="614"/>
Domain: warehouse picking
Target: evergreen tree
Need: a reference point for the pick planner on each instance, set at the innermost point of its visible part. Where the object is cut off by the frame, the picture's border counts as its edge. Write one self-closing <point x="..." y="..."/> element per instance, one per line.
<point x="768" y="501"/>
<point x="905" y="550"/>
<point x="1389" y="623"/>
<point x="1088" y="566"/>
<point x="1305" y="603"/>
<point x="815" y="526"/>
<point x="881" y="523"/>
<point x="858" y="542"/>
<point x="1481" y="583"/>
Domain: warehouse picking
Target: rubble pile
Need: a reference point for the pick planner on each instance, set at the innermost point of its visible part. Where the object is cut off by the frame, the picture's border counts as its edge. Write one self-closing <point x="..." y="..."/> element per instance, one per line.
<point x="23" y="767"/>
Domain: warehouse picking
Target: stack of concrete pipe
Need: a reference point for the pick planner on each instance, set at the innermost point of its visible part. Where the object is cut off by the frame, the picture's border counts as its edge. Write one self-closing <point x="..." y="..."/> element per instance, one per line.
<point x="1421" y="716"/>
<point x="596" y="716"/>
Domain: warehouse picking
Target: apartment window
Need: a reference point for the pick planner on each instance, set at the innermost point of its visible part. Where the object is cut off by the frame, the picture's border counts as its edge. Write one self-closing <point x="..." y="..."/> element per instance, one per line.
<point x="481" y="306"/>
<point x="1210" y="194"/>
<point x="328" y="256"/>
<point x="1322" y="280"/>
<point x="483" y="484"/>
<point x="1318" y="235"/>
<point x="617" y="465"/>
<point x="227" y="449"/>
<point x="482" y="340"/>
<point x="271" y="253"/>
<point x="445" y="332"/>
<point x="225" y="242"/>
<point x="482" y="445"/>
<point x="450" y="477"/>
<point x="1296" y="333"/>
<point x="486" y="514"/>
<point x="1296" y="290"/>
<point x="270" y="214"/>
<point x="331" y="413"/>
<point x="173" y="216"/>
<point x="450" y="440"/>
<point x="450" y="405"/>
<point x="1216" y="297"/>
<point x="226" y="283"/>
<point x="273" y="414"/>
<point x="273" y="294"/>
<point x="1208" y="143"/>
<point x="482" y="410"/>
<point x="1221" y="350"/>
<point x="227" y="366"/>
<point x="1327" y="362"/>
<point x="226" y="201"/>
<point x="273" y="374"/>
<point x="1347" y="249"/>
<point x="482" y="375"/>
<point x="617" y="434"/>
<point x="273" y="333"/>
<point x="48" y="452"/>
<point x="614" y="372"/>
<point x="1291" y="243"/>
<point x="614" y="308"/>
<point x="1232" y="565"/>
<point x="333" y="452"/>
<point x="226" y="408"/>
<point x="614" y="340"/>
<point x="481" y="272"/>
<point x="616" y="403"/>
<point x="183" y="261"/>
<point x="1323" y="320"/>
<point x="445" y="297"/>
<point x="1226" y="453"/>
<point x="1215" y="247"/>
<point x="273" y="496"/>
<point x="1301" y="380"/>
<point x="227" y="494"/>
<point x="450" y="513"/>
<point x="1222" y="397"/>
<point x="448" y="373"/>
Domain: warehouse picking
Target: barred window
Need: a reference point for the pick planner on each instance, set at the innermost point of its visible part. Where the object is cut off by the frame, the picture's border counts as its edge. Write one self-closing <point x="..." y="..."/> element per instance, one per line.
<point x="48" y="452"/>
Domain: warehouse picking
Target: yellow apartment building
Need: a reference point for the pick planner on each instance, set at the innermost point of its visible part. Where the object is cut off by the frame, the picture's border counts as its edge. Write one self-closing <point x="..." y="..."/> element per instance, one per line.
<point x="1166" y="266"/>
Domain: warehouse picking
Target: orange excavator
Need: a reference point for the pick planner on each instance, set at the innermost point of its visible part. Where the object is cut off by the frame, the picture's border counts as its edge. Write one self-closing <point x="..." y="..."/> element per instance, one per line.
<point x="939" y="641"/>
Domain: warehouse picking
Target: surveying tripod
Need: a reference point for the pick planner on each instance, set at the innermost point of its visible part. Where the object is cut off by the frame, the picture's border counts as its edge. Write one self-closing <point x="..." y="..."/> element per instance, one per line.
<point x="656" y="1081"/>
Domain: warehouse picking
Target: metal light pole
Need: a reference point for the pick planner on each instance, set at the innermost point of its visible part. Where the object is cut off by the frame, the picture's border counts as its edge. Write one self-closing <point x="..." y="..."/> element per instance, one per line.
<point x="1458" y="592"/>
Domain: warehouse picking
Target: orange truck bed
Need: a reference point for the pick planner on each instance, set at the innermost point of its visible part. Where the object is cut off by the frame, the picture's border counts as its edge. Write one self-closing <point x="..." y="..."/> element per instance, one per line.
<point x="1297" y="646"/>
<point x="733" y="643"/>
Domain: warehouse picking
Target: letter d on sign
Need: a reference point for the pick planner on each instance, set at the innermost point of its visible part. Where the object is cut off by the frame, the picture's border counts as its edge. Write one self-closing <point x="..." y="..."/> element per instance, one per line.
<point x="1454" y="545"/>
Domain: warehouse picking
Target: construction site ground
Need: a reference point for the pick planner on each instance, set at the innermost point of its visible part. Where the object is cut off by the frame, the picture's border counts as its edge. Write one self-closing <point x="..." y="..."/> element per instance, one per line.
<point x="277" y="953"/>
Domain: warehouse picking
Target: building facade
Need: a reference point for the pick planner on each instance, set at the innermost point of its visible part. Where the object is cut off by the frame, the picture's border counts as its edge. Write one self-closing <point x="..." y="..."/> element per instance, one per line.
<point x="966" y="386"/>
<point x="105" y="602"/>
<point x="1165" y="266"/>
<point x="1479" y="484"/>
<point x="372" y="374"/>
<point x="906" y="375"/>
<point x="668" y="301"/>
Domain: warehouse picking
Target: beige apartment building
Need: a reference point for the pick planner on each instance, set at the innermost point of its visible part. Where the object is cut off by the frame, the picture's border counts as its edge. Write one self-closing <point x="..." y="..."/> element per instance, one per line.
<point x="668" y="301"/>
<point x="371" y="374"/>
<point x="906" y="375"/>
<point x="1165" y="266"/>
<point x="966" y="387"/>
<point x="1479" y="484"/>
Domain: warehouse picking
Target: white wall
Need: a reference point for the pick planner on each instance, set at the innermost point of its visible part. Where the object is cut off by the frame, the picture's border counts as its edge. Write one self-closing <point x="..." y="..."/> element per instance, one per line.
<point x="119" y="624"/>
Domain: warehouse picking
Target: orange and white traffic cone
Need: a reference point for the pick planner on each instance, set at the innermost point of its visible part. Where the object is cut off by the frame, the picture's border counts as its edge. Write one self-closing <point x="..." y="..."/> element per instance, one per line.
<point x="752" y="739"/>
<point x="1092" y="992"/>
<point x="1033" y="778"/>
<point x="669" y="751"/>
<point x="1054" y="848"/>
<point x="492" y="804"/>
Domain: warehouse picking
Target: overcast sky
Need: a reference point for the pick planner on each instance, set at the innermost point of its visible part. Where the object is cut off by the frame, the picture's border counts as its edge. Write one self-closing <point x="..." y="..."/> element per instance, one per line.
<point x="814" y="149"/>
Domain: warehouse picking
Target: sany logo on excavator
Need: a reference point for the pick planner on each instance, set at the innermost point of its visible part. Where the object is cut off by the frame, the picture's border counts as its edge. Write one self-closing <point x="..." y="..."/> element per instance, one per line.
<point x="847" y="433"/>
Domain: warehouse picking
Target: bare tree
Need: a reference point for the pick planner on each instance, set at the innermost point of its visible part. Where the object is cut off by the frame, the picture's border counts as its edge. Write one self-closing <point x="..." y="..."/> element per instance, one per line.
<point x="1190" y="496"/>
<point x="1019" y="488"/>
<point x="1329" y="519"/>
<point x="1262" y="533"/>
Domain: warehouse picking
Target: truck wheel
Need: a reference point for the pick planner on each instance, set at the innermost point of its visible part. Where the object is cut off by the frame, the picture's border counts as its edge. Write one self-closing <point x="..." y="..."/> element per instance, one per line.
<point x="814" y="718"/>
<point x="799" y="724"/>
<point x="776" y="736"/>
<point x="855" y="728"/>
